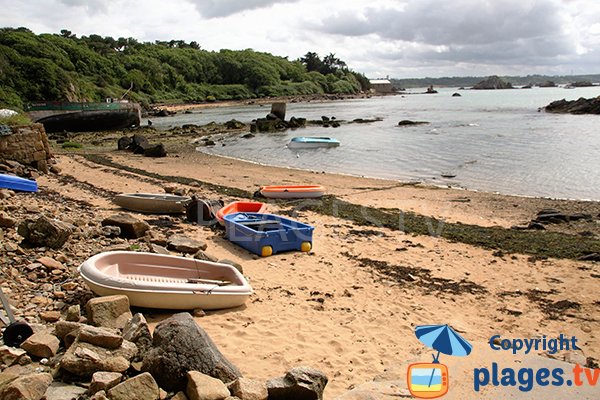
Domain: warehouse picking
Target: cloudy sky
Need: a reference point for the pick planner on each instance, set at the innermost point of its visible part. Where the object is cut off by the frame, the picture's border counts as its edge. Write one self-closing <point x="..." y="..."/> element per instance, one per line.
<point x="402" y="38"/>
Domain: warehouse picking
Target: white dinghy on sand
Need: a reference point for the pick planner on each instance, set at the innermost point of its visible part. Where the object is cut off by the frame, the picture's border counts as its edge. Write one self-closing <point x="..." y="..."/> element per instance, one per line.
<point x="165" y="282"/>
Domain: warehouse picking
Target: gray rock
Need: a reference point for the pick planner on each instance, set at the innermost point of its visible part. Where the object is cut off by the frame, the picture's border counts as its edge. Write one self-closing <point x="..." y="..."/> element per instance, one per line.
<point x="6" y="221"/>
<point x="300" y="383"/>
<point x="45" y="231"/>
<point x="73" y="313"/>
<point x="138" y="332"/>
<point x="103" y="380"/>
<point x="41" y="344"/>
<point x="157" y="150"/>
<point x="142" y="386"/>
<point x="204" y="387"/>
<point x="84" y="359"/>
<point x="201" y="255"/>
<point x="248" y="389"/>
<point x="180" y="345"/>
<point x="108" y="311"/>
<point x="131" y="227"/>
<point x="63" y="391"/>
<point x="103" y="337"/>
<point x="184" y="244"/>
<point x="28" y="387"/>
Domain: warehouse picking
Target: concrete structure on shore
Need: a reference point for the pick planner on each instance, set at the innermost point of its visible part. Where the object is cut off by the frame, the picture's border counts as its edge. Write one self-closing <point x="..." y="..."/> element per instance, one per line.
<point x="381" y="86"/>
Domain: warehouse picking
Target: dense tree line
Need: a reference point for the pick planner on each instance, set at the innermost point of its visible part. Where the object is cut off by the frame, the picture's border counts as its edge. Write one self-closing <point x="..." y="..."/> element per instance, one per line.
<point x="91" y="68"/>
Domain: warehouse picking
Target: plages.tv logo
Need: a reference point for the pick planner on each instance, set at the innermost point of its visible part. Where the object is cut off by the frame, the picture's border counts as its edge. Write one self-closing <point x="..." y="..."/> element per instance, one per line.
<point x="431" y="380"/>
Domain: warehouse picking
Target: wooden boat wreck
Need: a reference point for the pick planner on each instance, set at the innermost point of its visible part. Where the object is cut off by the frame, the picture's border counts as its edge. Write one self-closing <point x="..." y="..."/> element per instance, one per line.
<point x="85" y="116"/>
<point x="165" y="282"/>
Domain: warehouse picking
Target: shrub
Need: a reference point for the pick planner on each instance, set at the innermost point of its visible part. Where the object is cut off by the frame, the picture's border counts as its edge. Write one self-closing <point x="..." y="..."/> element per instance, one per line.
<point x="72" y="145"/>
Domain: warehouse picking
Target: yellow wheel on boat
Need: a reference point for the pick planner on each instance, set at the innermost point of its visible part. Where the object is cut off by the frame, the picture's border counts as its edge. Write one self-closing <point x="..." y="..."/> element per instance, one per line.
<point x="266" y="251"/>
<point x="305" y="247"/>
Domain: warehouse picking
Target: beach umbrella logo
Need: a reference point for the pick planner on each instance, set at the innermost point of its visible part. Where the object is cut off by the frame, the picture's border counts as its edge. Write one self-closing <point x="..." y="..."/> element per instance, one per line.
<point x="430" y="380"/>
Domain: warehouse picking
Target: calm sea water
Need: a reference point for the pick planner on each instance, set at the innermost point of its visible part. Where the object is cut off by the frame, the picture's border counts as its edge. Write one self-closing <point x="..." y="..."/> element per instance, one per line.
<point x="494" y="141"/>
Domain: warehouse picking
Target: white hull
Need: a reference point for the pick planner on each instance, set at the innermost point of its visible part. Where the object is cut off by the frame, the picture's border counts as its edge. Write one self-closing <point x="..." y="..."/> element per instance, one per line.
<point x="300" y="145"/>
<point x="152" y="203"/>
<point x="165" y="282"/>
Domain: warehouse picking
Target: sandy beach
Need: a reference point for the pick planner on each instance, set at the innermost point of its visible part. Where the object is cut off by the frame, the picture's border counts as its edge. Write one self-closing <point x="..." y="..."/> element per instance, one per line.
<point x="349" y="307"/>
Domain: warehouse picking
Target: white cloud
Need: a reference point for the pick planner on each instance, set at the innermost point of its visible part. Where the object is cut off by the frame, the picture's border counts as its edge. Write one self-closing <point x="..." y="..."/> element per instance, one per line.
<point x="224" y="8"/>
<point x="409" y="38"/>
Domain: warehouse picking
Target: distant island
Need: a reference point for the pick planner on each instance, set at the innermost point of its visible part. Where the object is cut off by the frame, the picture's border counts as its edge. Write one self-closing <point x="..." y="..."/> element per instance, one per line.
<point x="515" y="81"/>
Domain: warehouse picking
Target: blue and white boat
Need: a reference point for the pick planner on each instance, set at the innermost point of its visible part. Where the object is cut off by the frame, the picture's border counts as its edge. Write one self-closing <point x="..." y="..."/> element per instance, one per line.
<point x="17" y="183"/>
<point x="310" y="142"/>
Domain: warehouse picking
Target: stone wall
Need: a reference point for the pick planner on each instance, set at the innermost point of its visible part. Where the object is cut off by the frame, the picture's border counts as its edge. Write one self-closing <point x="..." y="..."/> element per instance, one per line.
<point x="28" y="145"/>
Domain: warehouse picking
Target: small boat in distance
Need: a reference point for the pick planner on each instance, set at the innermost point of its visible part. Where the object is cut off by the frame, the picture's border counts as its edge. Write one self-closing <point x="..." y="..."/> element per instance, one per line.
<point x="165" y="282"/>
<point x="240" y="206"/>
<point x="152" y="203"/>
<point x="292" y="191"/>
<point x="311" y="142"/>
<point x="16" y="183"/>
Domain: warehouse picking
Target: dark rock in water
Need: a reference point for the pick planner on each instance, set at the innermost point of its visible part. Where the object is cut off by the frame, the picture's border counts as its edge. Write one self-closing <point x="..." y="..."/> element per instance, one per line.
<point x="273" y="117"/>
<point x="162" y="113"/>
<point x="131" y="227"/>
<point x="456" y="94"/>
<point x="300" y="383"/>
<point x="248" y="136"/>
<point x="547" y="84"/>
<point x="179" y="346"/>
<point x="579" y="106"/>
<point x="406" y="122"/>
<point x="324" y="118"/>
<point x="493" y="82"/>
<point x="335" y="124"/>
<point x="268" y="125"/>
<point x="431" y="90"/>
<point x="157" y="150"/>
<point x="124" y="143"/>
<point x="297" y="122"/>
<point x="234" y="124"/>
<point x="45" y="232"/>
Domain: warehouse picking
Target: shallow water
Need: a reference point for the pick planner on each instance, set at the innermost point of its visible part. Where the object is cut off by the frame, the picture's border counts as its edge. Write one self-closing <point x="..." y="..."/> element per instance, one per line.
<point x="490" y="140"/>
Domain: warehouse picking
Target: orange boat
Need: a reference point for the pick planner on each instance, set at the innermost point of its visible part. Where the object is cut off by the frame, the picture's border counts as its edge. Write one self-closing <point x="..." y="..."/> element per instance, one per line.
<point x="292" y="192"/>
<point x="240" y="206"/>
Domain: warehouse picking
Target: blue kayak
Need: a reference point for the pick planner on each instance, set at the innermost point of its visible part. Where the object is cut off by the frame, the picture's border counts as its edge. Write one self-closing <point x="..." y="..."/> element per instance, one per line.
<point x="309" y="142"/>
<point x="15" y="183"/>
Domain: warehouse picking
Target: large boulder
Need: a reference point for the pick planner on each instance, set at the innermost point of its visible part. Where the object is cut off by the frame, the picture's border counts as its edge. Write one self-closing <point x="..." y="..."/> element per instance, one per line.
<point x="45" y="231"/>
<point x="155" y="150"/>
<point x="300" y="383"/>
<point x="138" y="144"/>
<point x="180" y="346"/>
<point x="579" y="106"/>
